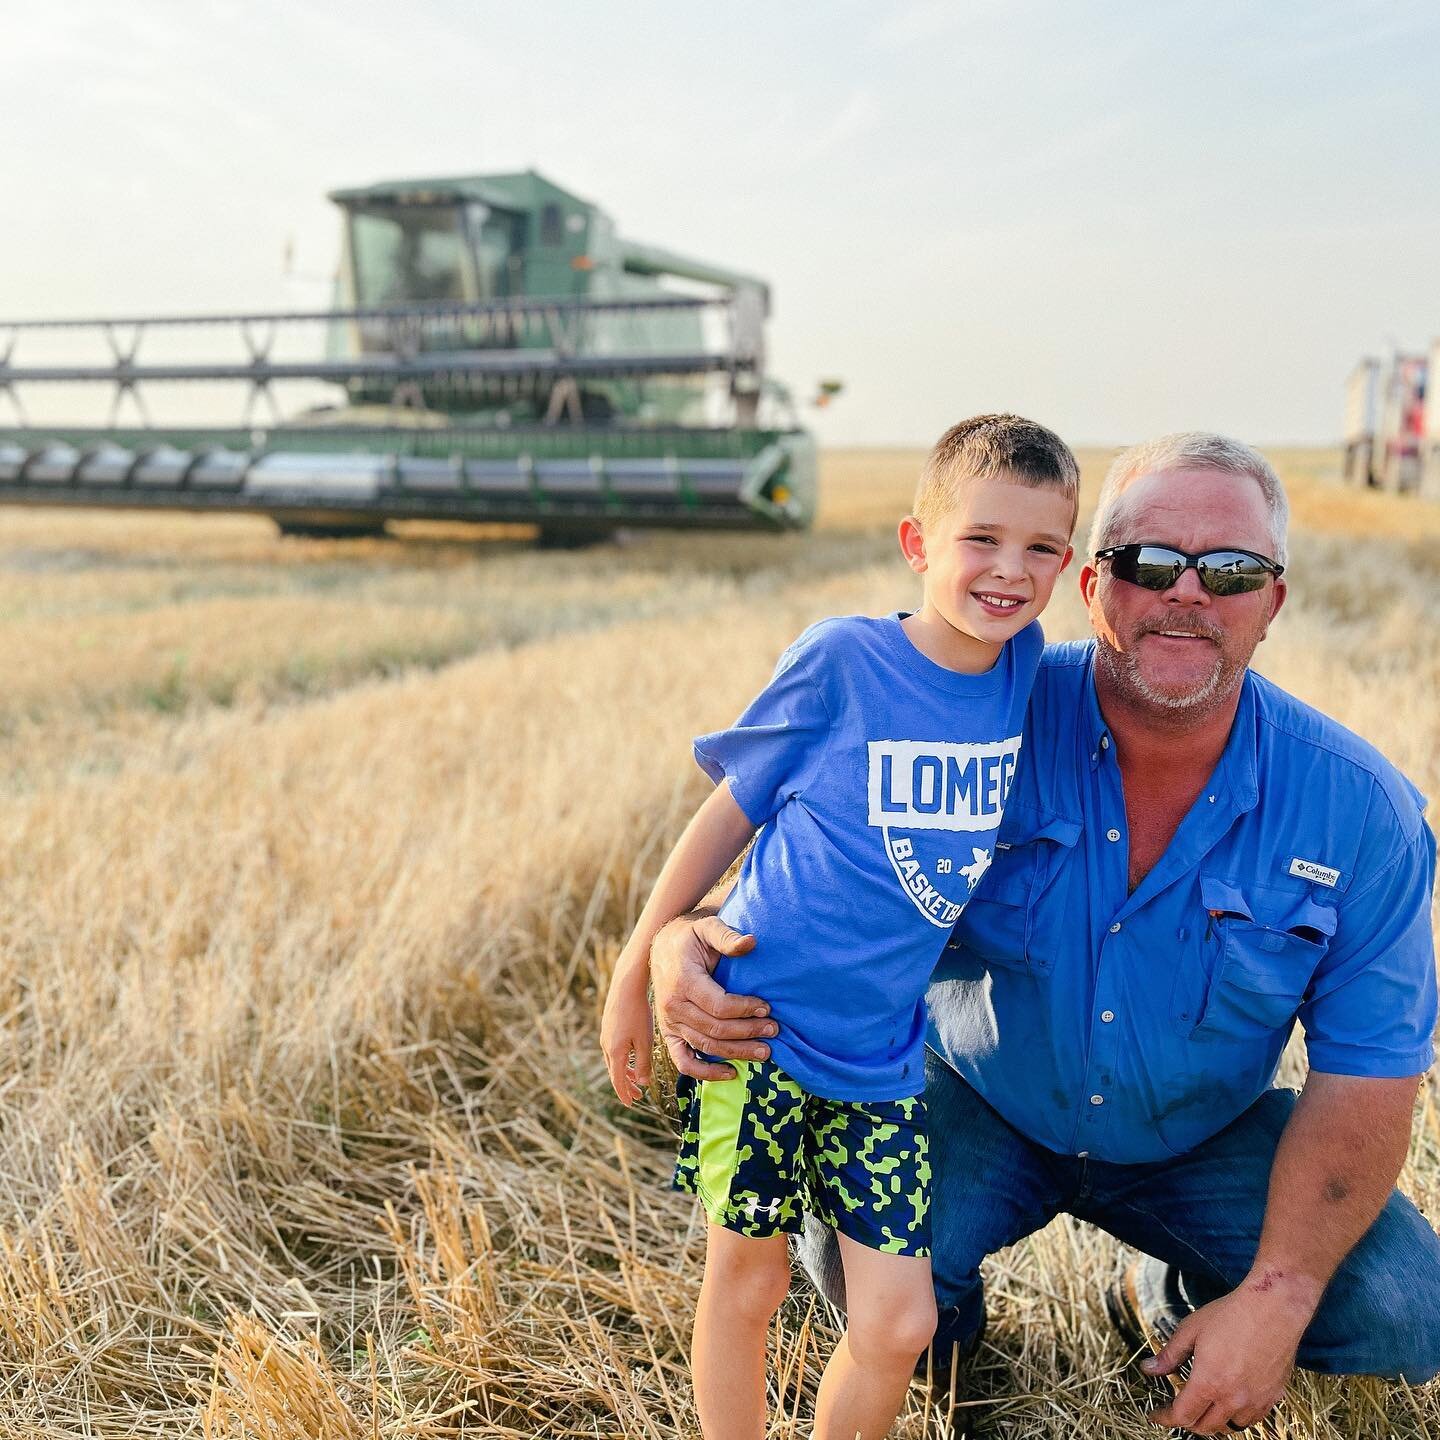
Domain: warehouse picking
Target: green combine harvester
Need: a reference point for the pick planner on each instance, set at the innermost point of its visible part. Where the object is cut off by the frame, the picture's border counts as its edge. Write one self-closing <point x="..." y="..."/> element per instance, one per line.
<point x="501" y="356"/>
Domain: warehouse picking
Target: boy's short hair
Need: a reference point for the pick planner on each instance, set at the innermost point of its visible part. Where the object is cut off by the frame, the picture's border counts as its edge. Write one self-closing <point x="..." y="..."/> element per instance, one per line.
<point x="986" y="446"/>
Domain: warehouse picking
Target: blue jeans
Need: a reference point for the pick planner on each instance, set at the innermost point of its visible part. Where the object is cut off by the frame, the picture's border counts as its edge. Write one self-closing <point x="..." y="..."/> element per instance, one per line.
<point x="1200" y="1212"/>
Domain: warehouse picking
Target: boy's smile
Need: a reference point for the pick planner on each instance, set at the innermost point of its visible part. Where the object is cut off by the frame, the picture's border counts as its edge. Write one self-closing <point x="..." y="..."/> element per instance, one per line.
<point x="997" y="603"/>
<point x="989" y="566"/>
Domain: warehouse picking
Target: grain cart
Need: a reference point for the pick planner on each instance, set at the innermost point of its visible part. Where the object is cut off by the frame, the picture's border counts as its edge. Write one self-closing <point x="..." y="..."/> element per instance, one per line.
<point x="1385" y="412"/>
<point x="494" y="351"/>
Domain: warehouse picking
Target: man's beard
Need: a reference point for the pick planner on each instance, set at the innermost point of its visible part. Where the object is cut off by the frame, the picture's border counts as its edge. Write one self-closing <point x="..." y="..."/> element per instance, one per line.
<point x="1127" y="673"/>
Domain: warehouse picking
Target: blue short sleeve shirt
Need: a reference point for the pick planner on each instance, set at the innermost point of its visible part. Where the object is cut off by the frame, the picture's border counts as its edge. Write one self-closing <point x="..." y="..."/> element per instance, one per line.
<point x="877" y="779"/>
<point x="1132" y="1026"/>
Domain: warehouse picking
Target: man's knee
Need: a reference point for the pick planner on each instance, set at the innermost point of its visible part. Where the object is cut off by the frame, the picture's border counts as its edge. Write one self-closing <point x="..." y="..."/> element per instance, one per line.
<point x="1376" y="1328"/>
<point x="1381" y="1312"/>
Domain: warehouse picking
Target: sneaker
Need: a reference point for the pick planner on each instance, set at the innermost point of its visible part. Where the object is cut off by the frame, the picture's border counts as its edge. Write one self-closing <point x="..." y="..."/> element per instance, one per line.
<point x="1145" y="1304"/>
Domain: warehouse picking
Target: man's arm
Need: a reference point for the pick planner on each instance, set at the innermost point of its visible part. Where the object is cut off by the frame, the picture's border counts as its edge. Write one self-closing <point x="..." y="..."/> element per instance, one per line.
<point x="1335" y="1166"/>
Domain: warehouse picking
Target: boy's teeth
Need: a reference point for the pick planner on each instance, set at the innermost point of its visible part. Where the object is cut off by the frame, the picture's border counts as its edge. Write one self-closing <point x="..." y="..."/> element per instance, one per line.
<point x="996" y="600"/>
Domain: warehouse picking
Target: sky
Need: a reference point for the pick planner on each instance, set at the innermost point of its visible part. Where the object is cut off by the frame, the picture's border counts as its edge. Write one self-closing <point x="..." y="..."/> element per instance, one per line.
<point x="1119" y="218"/>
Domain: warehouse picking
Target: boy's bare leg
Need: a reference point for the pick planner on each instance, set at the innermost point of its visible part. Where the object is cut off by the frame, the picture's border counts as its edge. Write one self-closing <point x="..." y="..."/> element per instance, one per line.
<point x="890" y="1314"/>
<point x="746" y="1281"/>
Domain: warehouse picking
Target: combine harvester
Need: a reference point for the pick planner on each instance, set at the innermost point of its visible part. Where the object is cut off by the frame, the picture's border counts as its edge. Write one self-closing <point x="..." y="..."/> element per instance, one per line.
<point x="503" y="355"/>
<point x="1392" y="424"/>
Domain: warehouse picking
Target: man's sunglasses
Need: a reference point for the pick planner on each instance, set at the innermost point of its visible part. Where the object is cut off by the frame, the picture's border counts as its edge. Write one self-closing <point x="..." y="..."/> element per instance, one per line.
<point x="1221" y="572"/>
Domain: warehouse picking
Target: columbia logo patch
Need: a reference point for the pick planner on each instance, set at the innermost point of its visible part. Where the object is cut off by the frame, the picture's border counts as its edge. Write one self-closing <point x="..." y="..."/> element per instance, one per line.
<point x="1319" y="874"/>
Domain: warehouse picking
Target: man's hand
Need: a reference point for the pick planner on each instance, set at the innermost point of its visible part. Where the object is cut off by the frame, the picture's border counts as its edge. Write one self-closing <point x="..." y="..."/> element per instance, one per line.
<point x="693" y="1012"/>
<point x="1337" y="1159"/>
<point x="1241" y="1350"/>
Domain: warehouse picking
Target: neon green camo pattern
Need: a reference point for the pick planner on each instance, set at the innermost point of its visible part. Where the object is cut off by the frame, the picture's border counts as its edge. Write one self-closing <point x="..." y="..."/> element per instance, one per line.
<point x="862" y="1166"/>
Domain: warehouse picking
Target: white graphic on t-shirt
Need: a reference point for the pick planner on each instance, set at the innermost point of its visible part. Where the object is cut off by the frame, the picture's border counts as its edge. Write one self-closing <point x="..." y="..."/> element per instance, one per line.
<point x="930" y="785"/>
<point x="920" y="787"/>
<point x="977" y="867"/>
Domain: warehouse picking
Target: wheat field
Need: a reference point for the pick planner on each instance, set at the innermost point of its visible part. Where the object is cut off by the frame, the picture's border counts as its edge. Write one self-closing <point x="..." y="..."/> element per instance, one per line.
<point x="317" y="855"/>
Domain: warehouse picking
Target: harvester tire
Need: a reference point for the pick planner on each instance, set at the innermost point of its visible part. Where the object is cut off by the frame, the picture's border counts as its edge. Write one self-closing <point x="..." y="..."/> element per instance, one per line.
<point x="331" y="529"/>
<point x="1401" y="474"/>
<point x="1357" y="465"/>
<point x="567" y="537"/>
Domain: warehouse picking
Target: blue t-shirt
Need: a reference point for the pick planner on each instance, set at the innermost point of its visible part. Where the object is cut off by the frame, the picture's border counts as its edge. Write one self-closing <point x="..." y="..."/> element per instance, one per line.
<point x="878" y="779"/>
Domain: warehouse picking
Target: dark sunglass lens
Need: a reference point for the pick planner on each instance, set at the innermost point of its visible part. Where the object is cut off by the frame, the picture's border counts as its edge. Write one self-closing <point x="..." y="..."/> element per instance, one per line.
<point x="1228" y="572"/>
<point x="1154" y="567"/>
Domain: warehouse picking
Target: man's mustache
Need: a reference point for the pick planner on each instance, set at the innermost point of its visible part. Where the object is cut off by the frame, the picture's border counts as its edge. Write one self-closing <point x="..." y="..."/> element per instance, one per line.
<point x="1182" y="627"/>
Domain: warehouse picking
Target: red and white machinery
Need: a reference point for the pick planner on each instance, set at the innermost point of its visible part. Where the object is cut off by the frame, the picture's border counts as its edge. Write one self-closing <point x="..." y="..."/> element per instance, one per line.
<point x="1392" y="424"/>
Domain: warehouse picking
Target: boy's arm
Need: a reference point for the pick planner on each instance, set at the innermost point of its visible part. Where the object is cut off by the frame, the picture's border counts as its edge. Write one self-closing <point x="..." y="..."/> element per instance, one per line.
<point x="712" y="840"/>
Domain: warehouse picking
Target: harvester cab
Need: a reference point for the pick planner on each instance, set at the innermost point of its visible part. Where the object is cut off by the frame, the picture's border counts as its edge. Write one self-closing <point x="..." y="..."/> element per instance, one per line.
<point x="500" y="354"/>
<point x="486" y="240"/>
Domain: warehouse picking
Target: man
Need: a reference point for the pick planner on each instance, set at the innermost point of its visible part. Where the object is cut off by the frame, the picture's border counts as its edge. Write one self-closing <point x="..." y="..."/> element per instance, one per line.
<point x="1191" y="859"/>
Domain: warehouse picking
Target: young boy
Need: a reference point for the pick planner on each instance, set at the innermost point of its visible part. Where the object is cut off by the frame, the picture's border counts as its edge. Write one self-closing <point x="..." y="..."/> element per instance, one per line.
<point x="875" y="766"/>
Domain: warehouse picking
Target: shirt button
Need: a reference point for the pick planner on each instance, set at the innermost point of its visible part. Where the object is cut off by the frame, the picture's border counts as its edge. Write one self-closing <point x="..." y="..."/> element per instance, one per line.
<point x="1107" y="1016"/>
<point x="1115" y="928"/>
<point x="1112" y="835"/>
<point x="1097" y="1099"/>
<point x="1104" y="742"/>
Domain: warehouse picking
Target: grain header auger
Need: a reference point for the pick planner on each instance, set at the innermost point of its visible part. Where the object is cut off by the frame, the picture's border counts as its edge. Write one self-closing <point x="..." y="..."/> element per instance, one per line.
<point x="501" y="353"/>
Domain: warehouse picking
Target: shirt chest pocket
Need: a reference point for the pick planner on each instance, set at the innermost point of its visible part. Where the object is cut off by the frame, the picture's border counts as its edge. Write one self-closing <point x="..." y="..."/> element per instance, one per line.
<point x="1259" y="950"/>
<point x="998" y="925"/>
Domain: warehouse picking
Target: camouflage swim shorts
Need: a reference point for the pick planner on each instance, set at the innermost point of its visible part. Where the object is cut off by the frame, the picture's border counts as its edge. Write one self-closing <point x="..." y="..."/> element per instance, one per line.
<point x="759" y="1151"/>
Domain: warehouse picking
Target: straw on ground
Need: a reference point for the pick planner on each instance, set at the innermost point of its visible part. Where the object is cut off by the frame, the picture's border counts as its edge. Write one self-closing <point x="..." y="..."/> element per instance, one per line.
<point x="317" y="856"/>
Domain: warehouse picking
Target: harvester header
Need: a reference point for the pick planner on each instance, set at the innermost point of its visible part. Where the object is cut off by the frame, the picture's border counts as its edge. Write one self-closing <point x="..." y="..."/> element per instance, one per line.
<point x="498" y="353"/>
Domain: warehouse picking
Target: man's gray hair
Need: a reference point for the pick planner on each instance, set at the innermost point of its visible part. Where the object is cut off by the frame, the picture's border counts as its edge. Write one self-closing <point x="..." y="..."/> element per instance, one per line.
<point x="1189" y="450"/>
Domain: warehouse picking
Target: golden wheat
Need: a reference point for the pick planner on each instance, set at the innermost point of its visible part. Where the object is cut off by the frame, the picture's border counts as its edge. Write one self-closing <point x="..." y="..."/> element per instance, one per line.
<point x="317" y="858"/>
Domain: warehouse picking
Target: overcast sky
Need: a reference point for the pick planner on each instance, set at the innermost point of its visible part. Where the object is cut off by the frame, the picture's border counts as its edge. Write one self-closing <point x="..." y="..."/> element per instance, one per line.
<point x="1118" y="217"/>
